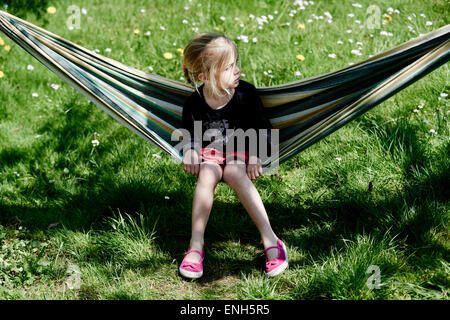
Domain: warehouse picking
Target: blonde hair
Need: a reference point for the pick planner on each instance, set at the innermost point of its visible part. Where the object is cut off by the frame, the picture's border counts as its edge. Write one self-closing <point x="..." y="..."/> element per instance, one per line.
<point x="208" y="53"/>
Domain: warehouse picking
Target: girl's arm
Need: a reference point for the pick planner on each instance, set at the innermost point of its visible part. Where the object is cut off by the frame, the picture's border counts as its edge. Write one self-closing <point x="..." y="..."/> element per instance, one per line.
<point x="258" y="119"/>
<point x="187" y="120"/>
<point x="191" y="154"/>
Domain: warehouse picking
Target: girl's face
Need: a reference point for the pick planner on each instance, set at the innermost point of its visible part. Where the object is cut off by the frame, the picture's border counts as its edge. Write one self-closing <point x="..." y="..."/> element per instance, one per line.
<point x="230" y="76"/>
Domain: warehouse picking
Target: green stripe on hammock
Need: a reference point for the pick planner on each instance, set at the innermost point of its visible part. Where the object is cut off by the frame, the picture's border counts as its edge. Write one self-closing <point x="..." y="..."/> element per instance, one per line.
<point x="304" y="111"/>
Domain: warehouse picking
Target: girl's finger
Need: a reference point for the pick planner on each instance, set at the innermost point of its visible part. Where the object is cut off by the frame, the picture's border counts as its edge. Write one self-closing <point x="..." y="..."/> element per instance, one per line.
<point x="249" y="172"/>
<point x="252" y="174"/>
<point x="196" y="169"/>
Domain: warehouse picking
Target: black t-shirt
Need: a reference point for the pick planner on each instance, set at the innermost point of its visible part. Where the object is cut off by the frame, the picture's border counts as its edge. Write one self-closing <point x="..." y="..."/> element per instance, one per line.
<point x="244" y="111"/>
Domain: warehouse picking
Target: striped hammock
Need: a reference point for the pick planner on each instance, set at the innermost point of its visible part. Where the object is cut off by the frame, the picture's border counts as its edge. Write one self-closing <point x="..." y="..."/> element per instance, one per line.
<point x="304" y="111"/>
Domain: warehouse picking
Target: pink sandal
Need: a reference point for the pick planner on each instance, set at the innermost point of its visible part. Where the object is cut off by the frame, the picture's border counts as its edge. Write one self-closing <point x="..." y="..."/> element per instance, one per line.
<point x="278" y="265"/>
<point x="192" y="270"/>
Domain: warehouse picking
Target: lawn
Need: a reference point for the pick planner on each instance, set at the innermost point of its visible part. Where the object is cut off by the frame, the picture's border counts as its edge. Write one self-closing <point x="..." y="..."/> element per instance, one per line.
<point x="89" y="210"/>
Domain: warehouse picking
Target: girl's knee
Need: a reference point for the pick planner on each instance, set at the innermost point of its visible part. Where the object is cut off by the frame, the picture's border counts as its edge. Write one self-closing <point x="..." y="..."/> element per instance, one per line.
<point x="210" y="172"/>
<point x="234" y="172"/>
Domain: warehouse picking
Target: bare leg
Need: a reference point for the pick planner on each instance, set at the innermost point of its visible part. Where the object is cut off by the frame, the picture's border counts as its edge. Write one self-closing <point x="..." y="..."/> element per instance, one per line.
<point x="235" y="175"/>
<point x="210" y="174"/>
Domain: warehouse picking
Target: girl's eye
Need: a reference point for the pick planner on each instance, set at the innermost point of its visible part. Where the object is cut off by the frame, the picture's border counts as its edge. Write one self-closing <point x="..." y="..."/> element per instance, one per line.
<point x="229" y="67"/>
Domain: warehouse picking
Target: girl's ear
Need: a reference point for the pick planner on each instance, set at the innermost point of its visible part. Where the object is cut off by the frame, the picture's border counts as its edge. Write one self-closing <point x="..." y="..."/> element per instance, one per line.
<point x="202" y="77"/>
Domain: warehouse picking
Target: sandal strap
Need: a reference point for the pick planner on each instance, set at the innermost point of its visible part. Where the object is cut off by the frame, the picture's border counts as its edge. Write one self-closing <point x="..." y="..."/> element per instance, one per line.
<point x="196" y="251"/>
<point x="274" y="247"/>
<point x="189" y="251"/>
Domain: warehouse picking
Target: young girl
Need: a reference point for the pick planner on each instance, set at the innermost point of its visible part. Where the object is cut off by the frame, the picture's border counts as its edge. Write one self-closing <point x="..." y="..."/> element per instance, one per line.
<point x="223" y="102"/>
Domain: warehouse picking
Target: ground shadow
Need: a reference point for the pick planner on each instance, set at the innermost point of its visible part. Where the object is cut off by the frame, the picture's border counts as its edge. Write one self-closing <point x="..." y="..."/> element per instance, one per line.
<point x="350" y="214"/>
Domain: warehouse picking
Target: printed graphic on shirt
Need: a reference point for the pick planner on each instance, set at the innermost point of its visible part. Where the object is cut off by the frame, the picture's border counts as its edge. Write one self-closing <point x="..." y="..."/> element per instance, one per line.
<point x="217" y="129"/>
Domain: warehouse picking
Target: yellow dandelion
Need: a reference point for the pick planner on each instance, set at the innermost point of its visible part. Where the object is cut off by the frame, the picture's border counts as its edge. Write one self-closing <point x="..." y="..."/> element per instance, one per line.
<point x="216" y="28"/>
<point x="300" y="57"/>
<point x="387" y="18"/>
<point x="168" y="55"/>
<point x="2" y="74"/>
<point x="2" y="42"/>
<point x="301" y="26"/>
<point x="7" y="48"/>
<point x="181" y="51"/>
<point x="136" y="31"/>
<point x="111" y="39"/>
<point x="51" y="10"/>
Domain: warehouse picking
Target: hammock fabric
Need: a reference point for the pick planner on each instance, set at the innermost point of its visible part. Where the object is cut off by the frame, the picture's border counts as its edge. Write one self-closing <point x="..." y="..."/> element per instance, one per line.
<point x="304" y="111"/>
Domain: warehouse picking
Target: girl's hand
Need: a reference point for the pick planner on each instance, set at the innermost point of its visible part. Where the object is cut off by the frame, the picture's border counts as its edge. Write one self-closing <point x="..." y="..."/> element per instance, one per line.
<point x="254" y="167"/>
<point x="191" y="162"/>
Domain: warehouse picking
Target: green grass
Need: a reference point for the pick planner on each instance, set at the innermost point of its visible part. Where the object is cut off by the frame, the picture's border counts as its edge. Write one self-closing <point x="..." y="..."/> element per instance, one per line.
<point x="71" y="211"/>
